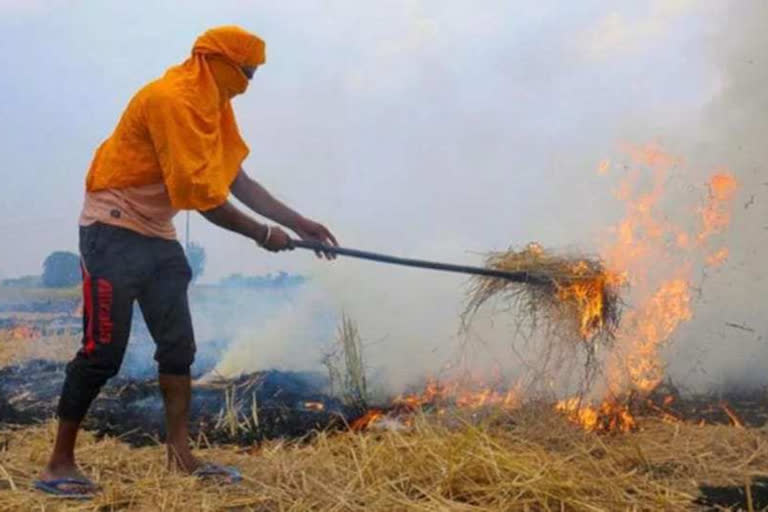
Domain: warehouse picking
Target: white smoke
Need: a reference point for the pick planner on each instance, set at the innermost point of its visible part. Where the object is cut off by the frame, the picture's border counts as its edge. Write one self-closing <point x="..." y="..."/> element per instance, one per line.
<point x="409" y="318"/>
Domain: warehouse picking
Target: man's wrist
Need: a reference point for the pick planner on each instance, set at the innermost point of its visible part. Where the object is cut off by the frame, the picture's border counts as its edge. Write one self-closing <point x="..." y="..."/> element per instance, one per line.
<point x="256" y="232"/>
<point x="296" y="222"/>
<point x="262" y="234"/>
<point x="267" y="234"/>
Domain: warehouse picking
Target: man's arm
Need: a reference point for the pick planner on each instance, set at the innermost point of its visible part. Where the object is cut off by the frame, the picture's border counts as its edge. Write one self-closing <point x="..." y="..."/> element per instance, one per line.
<point x="258" y="199"/>
<point x="228" y="216"/>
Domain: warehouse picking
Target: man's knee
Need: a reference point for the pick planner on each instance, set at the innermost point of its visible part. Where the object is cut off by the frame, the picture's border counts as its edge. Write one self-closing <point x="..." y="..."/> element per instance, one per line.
<point x="175" y="361"/>
<point x="84" y="379"/>
<point x="91" y="371"/>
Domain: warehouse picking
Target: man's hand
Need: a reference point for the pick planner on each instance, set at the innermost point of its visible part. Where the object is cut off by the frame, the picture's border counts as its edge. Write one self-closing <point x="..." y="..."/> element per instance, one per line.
<point x="311" y="230"/>
<point x="278" y="240"/>
<point x="229" y="217"/>
<point x="260" y="201"/>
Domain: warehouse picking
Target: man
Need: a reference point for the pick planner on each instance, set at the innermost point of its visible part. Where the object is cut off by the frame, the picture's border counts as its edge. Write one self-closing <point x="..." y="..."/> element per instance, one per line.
<point x="176" y="147"/>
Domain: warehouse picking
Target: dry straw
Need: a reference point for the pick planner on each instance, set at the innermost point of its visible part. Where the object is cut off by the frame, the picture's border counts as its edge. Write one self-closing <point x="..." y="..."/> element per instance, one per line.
<point x="530" y="461"/>
<point x="346" y="365"/>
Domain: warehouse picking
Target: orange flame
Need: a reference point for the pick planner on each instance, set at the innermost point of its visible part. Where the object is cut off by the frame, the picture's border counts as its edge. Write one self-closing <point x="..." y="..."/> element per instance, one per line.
<point x="659" y="272"/>
<point x="366" y="420"/>
<point x="463" y="394"/>
<point x="656" y="256"/>
<point x="588" y="295"/>
<point x="459" y="393"/>
<point x="718" y="258"/>
<point x="610" y="416"/>
<point x="715" y="215"/>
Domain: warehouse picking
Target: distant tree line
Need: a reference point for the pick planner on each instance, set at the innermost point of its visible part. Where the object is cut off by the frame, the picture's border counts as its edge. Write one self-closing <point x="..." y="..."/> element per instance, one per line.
<point x="279" y="280"/>
<point x="61" y="269"/>
<point x="23" y="282"/>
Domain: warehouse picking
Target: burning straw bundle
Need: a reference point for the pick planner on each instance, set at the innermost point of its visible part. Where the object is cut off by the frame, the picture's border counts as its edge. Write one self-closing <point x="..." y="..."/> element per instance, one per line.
<point x="568" y="295"/>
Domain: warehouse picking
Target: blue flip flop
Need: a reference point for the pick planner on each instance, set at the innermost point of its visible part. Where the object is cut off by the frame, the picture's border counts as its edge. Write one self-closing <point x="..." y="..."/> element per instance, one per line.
<point x="228" y="473"/>
<point x="54" y="487"/>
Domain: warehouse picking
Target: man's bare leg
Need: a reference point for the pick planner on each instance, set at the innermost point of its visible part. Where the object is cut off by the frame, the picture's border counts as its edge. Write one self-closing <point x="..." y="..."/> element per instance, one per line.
<point x="62" y="461"/>
<point x="177" y="392"/>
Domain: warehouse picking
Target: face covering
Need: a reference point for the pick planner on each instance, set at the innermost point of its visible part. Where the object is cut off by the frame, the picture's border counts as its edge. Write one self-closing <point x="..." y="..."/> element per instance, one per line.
<point x="230" y="79"/>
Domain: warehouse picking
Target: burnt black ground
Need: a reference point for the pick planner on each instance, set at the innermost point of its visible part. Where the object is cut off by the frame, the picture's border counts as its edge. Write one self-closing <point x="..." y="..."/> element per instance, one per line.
<point x="133" y="409"/>
<point x="734" y="497"/>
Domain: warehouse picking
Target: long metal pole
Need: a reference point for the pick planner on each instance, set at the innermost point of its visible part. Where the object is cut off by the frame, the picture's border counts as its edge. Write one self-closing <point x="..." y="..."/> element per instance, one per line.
<point x="519" y="277"/>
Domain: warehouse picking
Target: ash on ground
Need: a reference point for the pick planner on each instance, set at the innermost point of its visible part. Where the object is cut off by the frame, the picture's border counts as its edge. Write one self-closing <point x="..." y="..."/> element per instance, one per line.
<point x="244" y="410"/>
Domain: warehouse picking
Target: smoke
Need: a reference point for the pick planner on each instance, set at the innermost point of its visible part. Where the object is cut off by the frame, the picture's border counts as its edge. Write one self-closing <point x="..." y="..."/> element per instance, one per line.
<point x="223" y="317"/>
<point x="726" y="343"/>
<point x="409" y="318"/>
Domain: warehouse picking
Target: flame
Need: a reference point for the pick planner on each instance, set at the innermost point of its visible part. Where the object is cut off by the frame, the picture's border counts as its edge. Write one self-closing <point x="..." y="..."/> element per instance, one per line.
<point x="659" y="272"/>
<point x="439" y="396"/>
<point x="366" y="420"/>
<point x="610" y="416"/>
<point x="584" y="415"/>
<point x="718" y="258"/>
<point x="723" y="186"/>
<point x="656" y="254"/>
<point x="715" y="215"/>
<point x="464" y="394"/>
<point x="653" y="325"/>
<point x="588" y="295"/>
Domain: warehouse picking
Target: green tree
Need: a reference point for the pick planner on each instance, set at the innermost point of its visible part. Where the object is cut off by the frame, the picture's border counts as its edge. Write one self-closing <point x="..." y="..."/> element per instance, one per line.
<point x="196" y="258"/>
<point x="61" y="269"/>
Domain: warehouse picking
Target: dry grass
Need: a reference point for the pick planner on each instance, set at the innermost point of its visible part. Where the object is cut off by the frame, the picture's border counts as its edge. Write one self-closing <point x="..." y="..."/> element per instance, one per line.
<point x="26" y="294"/>
<point x="52" y="348"/>
<point x="540" y="463"/>
<point x="345" y="364"/>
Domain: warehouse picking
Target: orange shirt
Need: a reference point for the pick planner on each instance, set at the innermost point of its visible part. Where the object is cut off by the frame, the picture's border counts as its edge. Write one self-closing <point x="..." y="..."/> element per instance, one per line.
<point x="160" y="140"/>
<point x="177" y="145"/>
<point x="180" y="129"/>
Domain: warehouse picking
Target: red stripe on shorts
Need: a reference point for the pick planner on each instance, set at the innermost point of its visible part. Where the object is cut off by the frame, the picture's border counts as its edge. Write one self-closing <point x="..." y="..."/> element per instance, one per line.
<point x="104" y="294"/>
<point x="88" y="312"/>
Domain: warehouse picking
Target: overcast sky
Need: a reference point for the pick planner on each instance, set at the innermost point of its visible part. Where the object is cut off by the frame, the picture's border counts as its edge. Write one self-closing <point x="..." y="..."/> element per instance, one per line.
<point x="405" y="125"/>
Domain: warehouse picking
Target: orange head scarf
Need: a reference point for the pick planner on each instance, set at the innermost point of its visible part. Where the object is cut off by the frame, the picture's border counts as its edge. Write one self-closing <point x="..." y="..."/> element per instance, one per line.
<point x="226" y="50"/>
<point x="181" y="129"/>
